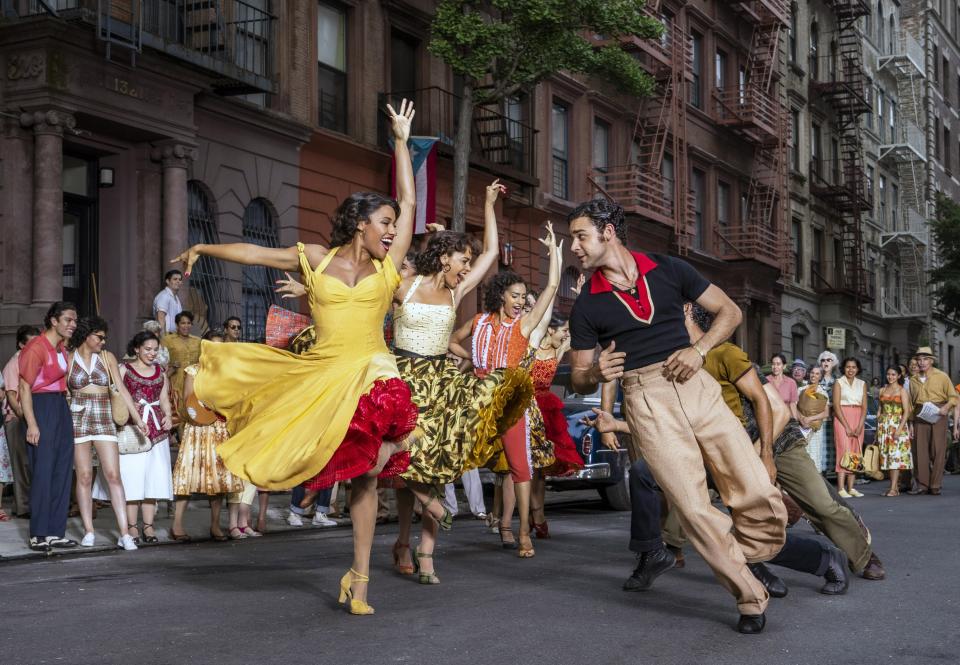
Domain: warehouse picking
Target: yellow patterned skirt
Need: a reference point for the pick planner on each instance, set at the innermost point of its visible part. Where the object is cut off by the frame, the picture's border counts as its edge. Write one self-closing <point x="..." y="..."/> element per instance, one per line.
<point x="461" y="414"/>
<point x="199" y="469"/>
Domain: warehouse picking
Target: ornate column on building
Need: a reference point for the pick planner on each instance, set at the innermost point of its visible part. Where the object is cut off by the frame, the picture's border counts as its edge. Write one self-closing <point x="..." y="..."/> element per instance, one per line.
<point x="175" y="159"/>
<point x="17" y="210"/>
<point x="48" y="127"/>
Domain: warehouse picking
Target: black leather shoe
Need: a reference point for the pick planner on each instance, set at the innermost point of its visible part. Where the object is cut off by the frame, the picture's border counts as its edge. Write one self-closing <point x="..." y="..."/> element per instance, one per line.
<point x="775" y="586"/>
<point x="836" y="574"/>
<point x="751" y="624"/>
<point x="650" y="565"/>
<point x="874" y="569"/>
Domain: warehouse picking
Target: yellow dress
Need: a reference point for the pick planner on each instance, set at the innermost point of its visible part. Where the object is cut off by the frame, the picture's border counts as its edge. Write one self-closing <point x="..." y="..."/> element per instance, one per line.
<point x="288" y="413"/>
<point x="184" y="351"/>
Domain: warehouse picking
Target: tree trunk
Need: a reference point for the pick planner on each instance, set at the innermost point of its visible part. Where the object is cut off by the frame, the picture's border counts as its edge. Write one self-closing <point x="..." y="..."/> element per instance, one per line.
<point x="461" y="158"/>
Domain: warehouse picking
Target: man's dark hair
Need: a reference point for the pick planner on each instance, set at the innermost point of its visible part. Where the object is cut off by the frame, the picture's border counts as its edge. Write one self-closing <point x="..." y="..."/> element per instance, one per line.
<point x="226" y="323"/>
<point x="86" y="327"/>
<point x="702" y="317"/>
<point x="493" y="295"/>
<point x="783" y="358"/>
<point x="355" y="210"/>
<point x="55" y="310"/>
<point x="170" y="273"/>
<point x="602" y="212"/>
<point x="24" y="333"/>
<point x="444" y="243"/>
<point x="185" y="314"/>
<point x="139" y="340"/>
<point x="213" y="332"/>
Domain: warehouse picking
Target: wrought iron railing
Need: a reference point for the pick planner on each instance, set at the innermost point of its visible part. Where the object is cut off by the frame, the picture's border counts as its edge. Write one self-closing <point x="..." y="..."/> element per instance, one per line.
<point x="498" y="143"/>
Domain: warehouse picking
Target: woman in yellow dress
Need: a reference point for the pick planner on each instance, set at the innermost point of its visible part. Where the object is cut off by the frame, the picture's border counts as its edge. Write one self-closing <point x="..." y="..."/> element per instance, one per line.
<point x="338" y="411"/>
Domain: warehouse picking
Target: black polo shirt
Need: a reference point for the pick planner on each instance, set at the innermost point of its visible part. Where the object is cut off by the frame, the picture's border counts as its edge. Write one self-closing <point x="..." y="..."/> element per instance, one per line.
<point x="646" y="322"/>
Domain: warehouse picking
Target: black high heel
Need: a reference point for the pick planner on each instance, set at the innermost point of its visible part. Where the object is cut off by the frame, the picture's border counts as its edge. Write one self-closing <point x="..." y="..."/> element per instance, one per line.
<point x="150" y="540"/>
<point x="507" y="544"/>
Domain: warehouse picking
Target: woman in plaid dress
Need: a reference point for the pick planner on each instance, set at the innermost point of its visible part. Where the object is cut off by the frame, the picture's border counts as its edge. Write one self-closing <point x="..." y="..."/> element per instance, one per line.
<point x="89" y="385"/>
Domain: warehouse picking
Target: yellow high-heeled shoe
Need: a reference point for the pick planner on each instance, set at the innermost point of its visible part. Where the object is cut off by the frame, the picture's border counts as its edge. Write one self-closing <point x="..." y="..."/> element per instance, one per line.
<point x="355" y="606"/>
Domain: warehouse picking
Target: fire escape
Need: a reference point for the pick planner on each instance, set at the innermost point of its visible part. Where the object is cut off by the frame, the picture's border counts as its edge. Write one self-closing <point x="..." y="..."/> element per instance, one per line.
<point x="654" y="185"/>
<point x="754" y="109"/>
<point x="905" y="146"/>
<point x="842" y="184"/>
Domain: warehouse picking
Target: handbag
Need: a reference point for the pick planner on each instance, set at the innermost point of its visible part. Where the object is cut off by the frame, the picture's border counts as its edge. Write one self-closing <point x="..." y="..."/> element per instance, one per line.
<point x="131" y="441"/>
<point x="852" y="462"/>
<point x="871" y="462"/>
<point x="118" y="406"/>
<point x="283" y="325"/>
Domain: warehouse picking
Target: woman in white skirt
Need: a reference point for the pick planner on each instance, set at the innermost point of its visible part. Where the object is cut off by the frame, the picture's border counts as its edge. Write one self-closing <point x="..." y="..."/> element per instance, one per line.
<point x="147" y="477"/>
<point x="815" y="425"/>
<point x="88" y="380"/>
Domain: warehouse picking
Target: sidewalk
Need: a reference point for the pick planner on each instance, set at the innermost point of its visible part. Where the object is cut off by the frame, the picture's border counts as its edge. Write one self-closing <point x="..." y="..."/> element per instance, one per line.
<point x="15" y="533"/>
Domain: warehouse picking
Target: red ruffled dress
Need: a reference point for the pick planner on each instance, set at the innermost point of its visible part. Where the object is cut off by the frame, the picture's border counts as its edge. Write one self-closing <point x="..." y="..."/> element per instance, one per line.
<point x="568" y="459"/>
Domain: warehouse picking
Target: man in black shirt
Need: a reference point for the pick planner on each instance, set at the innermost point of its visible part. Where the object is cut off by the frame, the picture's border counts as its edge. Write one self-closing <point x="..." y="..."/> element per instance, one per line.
<point x="633" y="308"/>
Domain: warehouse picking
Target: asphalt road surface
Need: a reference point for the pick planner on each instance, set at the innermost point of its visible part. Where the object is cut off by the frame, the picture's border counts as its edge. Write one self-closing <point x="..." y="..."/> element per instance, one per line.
<point x="273" y="600"/>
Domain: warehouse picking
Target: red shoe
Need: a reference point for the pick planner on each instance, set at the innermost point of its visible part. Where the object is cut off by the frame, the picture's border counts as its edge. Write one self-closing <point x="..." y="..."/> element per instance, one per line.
<point x="402" y="568"/>
<point x="541" y="531"/>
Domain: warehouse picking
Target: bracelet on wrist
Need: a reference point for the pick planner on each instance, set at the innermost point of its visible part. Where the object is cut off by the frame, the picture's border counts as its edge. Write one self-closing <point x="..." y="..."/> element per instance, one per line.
<point x="696" y="347"/>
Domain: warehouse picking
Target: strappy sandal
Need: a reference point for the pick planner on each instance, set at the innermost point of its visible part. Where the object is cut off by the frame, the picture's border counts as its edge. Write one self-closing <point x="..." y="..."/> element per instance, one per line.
<point x="179" y="537"/>
<point x="425" y="578"/>
<point x="150" y="540"/>
<point x="507" y="544"/>
<point x="446" y="521"/>
<point x="889" y="493"/>
<point x="526" y="551"/>
<point x="402" y="568"/>
<point x="240" y="535"/>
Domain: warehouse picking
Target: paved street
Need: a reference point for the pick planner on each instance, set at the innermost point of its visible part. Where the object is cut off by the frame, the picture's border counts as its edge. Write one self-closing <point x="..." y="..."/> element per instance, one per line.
<point x="273" y="600"/>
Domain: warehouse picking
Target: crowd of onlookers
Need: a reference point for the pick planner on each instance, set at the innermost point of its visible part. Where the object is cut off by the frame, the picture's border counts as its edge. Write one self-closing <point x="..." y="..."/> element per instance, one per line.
<point x="907" y="412"/>
<point x="84" y="429"/>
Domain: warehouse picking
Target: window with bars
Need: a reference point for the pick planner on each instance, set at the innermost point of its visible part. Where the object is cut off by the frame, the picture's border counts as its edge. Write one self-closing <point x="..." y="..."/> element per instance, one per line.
<point x="210" y="297"/>
<point x="259" y="228"/>
<point x="560" y="147"/>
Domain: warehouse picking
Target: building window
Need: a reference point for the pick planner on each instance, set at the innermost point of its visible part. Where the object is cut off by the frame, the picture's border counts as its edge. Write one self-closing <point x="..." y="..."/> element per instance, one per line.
<point x="794" y="139"/>
<point x="947" y="144"/>
<point x="559" y="133"/>
<point x="720" y="69"/>
<point x="259" y="228"/>
<point x="815" y="149"/>
<point x="816" y="258"/>
<point x="936" y="64"/>
<point x="892" y="113"/>
<point x="882" y="200"/>
<point x="404" y="63"/>
<point x="835" y="161"/>
<point x="252" y="51"/>
<point x="797" y="342"/>
<point x="936" y="138"/>
<point x="699" y="186"/>
<point x="880" y="118"/>
<point x="946" y="77"/>
<point x="744" y="203"/>
<point x="696" y="89"/>
<point x="870" y="180"/>
<point x="892" y="36"/>
<point x="669" y="191"/>
<point x="723" y="204"/>
<point x="814" y="47"/>
<point x="879" y="26"/>
<point x="793" y="32"/>
<point x="332" y="66"/>
<point x="601" y="150"/>
<point x="210" y="297"/>
<point x="894" y="207"/>
<point x="796" y="235"/>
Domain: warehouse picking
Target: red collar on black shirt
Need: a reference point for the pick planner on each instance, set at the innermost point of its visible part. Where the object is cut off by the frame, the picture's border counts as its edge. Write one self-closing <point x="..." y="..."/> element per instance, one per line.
<point x="641" y="307"/>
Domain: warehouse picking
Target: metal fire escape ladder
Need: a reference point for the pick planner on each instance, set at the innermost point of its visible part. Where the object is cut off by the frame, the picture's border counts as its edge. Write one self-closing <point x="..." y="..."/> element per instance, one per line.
<point x="120" y="23"/>
<point x="848" y="97"/>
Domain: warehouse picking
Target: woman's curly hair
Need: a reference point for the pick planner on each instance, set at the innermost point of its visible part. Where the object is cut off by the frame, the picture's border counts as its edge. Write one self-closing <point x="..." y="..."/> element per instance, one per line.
<point x="86" y="327"/>
<point x="493" y="294"/>
<point x="139" y="340"/>
<point x="354" y="210"/>
<point x="444" y="243"/>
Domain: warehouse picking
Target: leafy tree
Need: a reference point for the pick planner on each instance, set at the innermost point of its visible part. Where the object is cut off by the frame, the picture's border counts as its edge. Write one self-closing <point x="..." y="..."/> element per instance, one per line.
<point x="945" y="277"/>
<point x="502" y="47"/>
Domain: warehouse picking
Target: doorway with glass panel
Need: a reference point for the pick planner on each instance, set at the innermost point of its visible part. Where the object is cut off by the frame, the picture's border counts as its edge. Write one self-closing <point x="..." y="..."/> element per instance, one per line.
<point x="80" y="232"/>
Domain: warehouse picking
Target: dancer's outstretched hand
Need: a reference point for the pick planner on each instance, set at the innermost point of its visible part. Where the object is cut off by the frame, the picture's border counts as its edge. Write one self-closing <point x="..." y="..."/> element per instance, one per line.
<point x="581" y="280"/>
<point x="187" y="258"/>
<point x="607" y="426"/>
<point x="550" y="242"/>
<point x="494" y="190"/>
<point x="290" y="288"/>
<point x="403" y="121"/>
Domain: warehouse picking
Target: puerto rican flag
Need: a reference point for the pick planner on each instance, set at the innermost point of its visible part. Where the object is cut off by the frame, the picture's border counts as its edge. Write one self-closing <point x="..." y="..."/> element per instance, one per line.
<point x="423" y="152"/>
